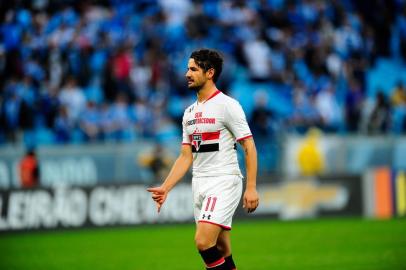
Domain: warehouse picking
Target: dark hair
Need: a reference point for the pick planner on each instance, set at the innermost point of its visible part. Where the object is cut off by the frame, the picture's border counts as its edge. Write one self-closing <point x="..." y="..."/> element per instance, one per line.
<point x="207" y="59"/>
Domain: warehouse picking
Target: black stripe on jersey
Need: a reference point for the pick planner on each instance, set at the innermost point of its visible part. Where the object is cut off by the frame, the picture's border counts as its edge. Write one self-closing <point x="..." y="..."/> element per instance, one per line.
<point x="206" y="148"/>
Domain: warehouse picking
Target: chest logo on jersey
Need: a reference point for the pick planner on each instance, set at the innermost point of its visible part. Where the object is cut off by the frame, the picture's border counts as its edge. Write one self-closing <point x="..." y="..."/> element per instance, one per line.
<point x="197" y="140"/>
<point x="199" y="119"/>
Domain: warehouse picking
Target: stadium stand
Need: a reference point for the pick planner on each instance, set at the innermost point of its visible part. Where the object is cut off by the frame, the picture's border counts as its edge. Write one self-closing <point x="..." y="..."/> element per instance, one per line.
<point x="94" y="71"/>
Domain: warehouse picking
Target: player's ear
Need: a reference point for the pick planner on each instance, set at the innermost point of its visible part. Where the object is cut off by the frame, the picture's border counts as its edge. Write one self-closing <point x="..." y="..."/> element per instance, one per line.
<point x="210" y="73"/>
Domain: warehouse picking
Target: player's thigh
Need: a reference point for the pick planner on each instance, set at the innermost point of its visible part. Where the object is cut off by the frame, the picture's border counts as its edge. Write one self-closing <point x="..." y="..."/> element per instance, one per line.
<point x="206" y="235"/>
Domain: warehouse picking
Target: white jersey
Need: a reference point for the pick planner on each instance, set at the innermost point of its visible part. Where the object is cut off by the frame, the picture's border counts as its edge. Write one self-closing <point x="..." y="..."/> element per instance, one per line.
<point x="212" y="129"/>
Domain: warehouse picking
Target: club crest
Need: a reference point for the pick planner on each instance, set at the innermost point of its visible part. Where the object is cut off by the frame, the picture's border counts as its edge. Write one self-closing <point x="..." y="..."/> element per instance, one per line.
<point x="197" y="140"/>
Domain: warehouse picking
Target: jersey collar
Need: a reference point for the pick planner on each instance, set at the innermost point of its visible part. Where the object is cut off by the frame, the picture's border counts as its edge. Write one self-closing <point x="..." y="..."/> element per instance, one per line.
<point x="212" y="96"/>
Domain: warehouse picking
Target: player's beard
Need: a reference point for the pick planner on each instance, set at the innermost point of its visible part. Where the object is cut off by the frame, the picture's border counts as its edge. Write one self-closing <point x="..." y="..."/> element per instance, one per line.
<point x="196" y="88"/>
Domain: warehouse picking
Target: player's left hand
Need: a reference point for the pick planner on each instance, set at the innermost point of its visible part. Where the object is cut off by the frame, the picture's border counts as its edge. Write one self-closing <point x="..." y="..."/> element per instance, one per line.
<point x="251" y="200"/>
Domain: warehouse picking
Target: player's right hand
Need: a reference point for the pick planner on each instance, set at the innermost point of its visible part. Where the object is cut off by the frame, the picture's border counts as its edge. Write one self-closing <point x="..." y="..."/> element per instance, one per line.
<point x="159" y="195"/>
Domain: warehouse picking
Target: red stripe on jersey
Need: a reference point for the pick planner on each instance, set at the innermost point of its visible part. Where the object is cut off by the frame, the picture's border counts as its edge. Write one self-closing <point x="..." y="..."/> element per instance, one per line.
<point x="210" y="135"/>
<point x="212" y="96"/>
<point x="243" y="138"/>
<point x="216" y="263"/>
<point x="186" y="143"/>
<point x="206" y="136"/>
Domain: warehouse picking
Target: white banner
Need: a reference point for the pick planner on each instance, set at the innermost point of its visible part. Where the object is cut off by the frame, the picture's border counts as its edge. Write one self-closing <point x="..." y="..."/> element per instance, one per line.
<point x="65" y="207"/>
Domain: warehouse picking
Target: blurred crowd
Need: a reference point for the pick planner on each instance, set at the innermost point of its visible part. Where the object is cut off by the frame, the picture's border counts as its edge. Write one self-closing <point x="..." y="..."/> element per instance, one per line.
<point x="79" y="71"/>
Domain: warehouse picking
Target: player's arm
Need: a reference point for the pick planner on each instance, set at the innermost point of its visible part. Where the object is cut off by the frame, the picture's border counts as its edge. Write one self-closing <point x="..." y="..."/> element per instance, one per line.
<point x="179" y="169"/>
<point x="251" y="198"/>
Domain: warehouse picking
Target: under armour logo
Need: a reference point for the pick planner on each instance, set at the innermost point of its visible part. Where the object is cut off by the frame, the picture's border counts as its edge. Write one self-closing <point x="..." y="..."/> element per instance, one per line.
<point x="204" y="216"/>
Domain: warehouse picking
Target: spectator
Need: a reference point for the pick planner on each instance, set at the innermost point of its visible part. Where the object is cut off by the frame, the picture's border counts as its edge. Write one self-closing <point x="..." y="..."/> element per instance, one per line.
<point x="310" y="159"/>
<point x="48" y="104"/>
<point x="329" y="109"/>
<point x="398" y="102"/>
<point x="398" y="97"/>
<point x="353" y="106"/>
<point x="157" y="161"/>
<point x="63" y="126"/>
<point x="72" y="97"/>
<point x="141" y="75"/>
<point x="122" y="64"/>
<point x="260" y="122"/>
<point x="29" y="170"/>
<point x="380" y="116"/>
<point x="116" y="120"/>
<point x="89" y="122"/>
<point x="305" y="113"/>
<point x="401" y="23"/>
<point x="16" y="114"/>
<point x="142" y="117"/>
<point x="258" y="57"/>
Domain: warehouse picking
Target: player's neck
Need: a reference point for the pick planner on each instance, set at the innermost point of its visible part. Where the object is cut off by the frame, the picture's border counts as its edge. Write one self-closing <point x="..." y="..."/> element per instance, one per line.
<point x="207" y="91"/>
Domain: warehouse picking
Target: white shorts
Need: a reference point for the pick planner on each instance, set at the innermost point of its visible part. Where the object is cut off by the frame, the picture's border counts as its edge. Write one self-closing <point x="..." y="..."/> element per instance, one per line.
<point x="215" y="199"/>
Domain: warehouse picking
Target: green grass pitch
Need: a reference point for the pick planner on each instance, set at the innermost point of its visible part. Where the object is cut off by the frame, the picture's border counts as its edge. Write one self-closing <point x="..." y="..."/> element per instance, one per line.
<point x="342" y="244"/>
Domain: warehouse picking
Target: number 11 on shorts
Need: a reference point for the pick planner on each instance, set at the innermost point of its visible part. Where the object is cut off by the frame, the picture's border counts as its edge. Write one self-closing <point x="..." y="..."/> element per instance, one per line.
<point x="211" y="203"/>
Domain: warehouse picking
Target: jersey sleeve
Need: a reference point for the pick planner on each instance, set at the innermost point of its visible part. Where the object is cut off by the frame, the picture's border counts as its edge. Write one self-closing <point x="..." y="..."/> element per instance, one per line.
<point x="236" y="121"/>
<point x="185" y="136"/>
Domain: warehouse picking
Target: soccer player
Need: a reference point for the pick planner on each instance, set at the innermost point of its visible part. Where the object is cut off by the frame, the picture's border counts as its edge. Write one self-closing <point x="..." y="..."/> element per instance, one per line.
<point x="211" y="127"/>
